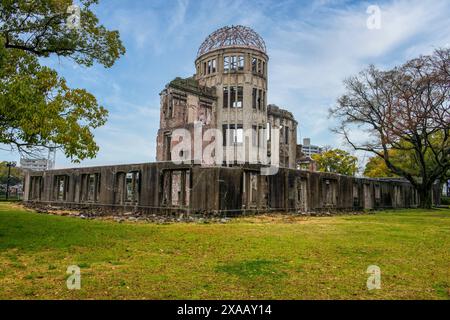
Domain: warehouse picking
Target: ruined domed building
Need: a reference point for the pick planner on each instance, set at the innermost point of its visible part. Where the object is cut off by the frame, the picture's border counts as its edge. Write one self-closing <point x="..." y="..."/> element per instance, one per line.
<point x="223" y="105"/>
<point x="228" y="92"/>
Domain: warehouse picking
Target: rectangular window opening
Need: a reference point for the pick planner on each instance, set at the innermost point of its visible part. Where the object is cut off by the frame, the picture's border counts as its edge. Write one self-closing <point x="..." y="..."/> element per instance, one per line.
<point x="254" y="65"/>
<point x="286" y="135"/>
<point x="239" y="99"/>
<point x="259" y="99"/>
<point x="209" y="67"/>
<point x="132" y="184"/>
<point x="226" y="63"/>
<point x="225" y="97"/>
<point x="241" y="63"/>
<point x="233" y="134"/>
<point x="234" y="63"/>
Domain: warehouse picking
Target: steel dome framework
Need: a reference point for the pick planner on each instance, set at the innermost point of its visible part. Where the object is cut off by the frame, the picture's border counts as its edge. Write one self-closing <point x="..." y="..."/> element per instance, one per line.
<point x="234" y="36"/>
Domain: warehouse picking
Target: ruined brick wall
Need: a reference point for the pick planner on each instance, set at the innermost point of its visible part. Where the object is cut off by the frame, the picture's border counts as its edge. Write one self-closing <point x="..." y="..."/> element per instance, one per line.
<point x="184" y="105"/>
<point x="165" y="188"/>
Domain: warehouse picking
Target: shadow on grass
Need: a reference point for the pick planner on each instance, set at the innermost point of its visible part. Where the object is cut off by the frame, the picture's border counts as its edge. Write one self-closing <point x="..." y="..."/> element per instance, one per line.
<point x="30" y="231"/>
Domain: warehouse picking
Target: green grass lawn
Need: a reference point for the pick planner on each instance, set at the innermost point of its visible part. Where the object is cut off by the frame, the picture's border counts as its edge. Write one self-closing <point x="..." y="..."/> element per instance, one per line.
<point x="250" y="258"/>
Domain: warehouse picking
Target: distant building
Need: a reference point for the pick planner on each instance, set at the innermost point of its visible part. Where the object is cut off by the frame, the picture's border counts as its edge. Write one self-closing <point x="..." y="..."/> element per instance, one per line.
<point x="39" y="163"/>
<point x="36" y="164"/>
<point x="309" y="150"/>
<point x="304" y="162"/>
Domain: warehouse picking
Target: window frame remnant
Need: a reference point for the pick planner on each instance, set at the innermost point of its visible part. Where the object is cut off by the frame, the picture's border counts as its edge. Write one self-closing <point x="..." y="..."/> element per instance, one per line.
<point x="36" y="187"/>
<point x="330" y="192"/>
<point x="259" y="99"/>
<point x="259" y="66"/>
<point x="226" y="63"/>
<point x="234" y="134"/>
<point x="377" y="195"/>
<point x="132" y="186"/>
<point x="302" y="198"/>
<point x="377" y="192"/>
<point x="119" y="187"/>
<point x="239" y="103"/>
<point x="90" y="187"/>
<point x="254" y="64"/>
<point x="233" y="96"/>
<point x="240" y="63"/>
<point x="168" y="106"/>
<point x="169" y="185"/>
<point x="286" y="135"/>
<point x="60" y="187"/>
<point x="226" y="94"/>
<point x="211" y="67"/>
<point x="232" y="63"/>
<point x="263" y="107"/>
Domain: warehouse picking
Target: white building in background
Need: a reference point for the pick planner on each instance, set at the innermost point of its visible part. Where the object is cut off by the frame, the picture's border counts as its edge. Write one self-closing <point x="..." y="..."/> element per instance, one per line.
<point x="36" y="164"/>
<point x="40" y="163"/>
<point x="309" y="149"/>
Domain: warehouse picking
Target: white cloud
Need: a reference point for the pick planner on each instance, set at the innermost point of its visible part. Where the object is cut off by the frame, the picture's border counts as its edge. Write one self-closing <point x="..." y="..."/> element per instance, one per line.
<point x="311" y="56"/>
<point x="178" y="17"/>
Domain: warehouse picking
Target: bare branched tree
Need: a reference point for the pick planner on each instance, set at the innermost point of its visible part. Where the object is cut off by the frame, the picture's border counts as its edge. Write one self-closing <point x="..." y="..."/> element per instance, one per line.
<point x="404" y="109"/>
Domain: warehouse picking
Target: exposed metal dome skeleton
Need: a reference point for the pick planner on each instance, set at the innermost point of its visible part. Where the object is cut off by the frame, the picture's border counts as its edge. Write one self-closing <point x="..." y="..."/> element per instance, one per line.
<point x="234" y="36"/>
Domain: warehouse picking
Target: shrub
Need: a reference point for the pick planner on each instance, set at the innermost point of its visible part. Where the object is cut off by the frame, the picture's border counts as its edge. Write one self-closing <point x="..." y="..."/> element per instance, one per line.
<point x="445" y="201"/>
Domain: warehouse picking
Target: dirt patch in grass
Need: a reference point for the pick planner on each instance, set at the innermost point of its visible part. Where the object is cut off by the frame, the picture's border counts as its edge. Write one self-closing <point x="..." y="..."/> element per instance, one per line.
<point x="283" y="218"/>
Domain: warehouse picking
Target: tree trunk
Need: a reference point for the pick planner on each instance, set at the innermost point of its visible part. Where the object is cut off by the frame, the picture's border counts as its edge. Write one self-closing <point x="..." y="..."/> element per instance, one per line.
<point x="426" y="200"/>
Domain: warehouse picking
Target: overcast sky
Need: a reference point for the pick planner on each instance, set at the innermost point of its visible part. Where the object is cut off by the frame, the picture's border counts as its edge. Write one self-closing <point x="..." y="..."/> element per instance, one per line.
<point x="312" y="45"/>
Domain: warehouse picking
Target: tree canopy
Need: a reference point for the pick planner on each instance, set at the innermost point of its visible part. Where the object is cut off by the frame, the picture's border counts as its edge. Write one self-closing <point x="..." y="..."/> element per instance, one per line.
<point x="377" y="168"/>
<point x="336" y="161"/>
<point x="405" y="113"/>
<point x="37" y="108"/>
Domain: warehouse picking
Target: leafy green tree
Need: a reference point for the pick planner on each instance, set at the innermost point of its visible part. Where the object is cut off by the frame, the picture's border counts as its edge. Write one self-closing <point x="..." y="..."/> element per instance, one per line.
<point x="376" y="168"/>
<point x="336" y="161"/>
<point x="37" y="108"/>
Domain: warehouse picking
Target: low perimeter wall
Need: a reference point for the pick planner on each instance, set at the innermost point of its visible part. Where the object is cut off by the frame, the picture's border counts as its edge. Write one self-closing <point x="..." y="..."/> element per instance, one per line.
<point x="166" y="188"/>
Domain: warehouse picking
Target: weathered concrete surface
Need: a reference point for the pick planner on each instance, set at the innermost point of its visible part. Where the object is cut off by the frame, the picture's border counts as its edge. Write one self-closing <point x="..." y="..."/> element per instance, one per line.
<point x="166" y="189"/>
<point x="230" y="99"/>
